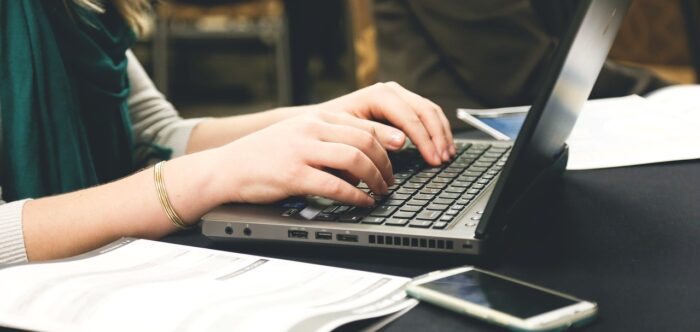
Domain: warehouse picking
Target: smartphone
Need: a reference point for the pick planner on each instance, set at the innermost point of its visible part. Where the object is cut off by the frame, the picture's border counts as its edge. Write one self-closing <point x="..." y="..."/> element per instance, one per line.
<point x="499" y="123"/>
<point x="501" y="300"/>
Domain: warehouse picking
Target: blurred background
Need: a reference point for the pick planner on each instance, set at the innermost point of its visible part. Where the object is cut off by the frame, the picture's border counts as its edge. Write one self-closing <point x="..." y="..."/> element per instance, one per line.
<point x="228" y="57"/>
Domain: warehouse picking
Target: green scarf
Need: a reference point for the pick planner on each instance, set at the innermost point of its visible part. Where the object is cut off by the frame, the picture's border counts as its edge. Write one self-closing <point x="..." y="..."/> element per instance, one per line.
<point x="63" y="98"/>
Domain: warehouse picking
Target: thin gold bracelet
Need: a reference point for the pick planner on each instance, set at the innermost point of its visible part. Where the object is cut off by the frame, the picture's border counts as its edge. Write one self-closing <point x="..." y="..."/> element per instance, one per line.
<point x="163" y="197"/>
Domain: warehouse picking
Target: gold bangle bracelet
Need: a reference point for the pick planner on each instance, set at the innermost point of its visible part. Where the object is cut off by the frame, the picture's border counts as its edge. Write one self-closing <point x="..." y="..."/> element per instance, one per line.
<point x="163" y="197"/>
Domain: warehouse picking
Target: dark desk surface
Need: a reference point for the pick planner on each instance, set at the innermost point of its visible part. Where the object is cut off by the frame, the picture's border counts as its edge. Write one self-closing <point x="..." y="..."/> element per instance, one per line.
<point x="627" y="238"/>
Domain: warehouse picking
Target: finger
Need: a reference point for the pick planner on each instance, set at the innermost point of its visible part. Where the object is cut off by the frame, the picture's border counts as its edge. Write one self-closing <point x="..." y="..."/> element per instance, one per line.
<point x="349" y="159"/>
<point x="317" y="182"/>
<point x="387" y="105"/>
<point x="446" y="125"/>
<point x="363" y="141"/>
<point x="348" y="178"/>
<point x="389" y="137"/>
<point x="428" y="114"/>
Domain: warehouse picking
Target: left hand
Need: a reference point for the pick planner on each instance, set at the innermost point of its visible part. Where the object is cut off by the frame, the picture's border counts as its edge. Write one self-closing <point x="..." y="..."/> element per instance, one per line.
<point x="419" y="118"/>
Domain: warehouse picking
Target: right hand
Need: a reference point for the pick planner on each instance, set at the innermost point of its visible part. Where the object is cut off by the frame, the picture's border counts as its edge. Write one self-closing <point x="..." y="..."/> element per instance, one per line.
<point x="293" y="157"/>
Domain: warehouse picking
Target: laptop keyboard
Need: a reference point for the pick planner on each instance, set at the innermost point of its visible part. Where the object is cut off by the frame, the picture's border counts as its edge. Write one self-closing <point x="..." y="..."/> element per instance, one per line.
<point x="424" y="196"/>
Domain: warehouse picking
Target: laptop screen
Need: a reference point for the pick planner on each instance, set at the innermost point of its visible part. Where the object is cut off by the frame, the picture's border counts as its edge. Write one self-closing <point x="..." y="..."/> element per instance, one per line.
<point x="574" y="69"/>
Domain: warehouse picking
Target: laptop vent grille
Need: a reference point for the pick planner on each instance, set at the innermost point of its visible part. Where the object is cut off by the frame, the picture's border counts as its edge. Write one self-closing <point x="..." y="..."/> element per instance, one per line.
<point x="404" y="241"/>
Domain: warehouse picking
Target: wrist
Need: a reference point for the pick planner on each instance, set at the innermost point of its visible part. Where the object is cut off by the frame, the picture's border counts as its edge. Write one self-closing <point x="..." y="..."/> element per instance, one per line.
<point x="191" y="184"/>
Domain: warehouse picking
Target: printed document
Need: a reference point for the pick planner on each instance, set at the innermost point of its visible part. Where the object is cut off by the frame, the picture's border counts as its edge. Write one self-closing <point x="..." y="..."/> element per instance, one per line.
<point x="142" y="285"/>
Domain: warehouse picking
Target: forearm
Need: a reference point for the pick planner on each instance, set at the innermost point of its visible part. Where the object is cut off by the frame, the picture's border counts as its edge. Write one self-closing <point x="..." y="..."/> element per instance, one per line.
<point x="217" y="132"/>
<point x="73" y="223"/>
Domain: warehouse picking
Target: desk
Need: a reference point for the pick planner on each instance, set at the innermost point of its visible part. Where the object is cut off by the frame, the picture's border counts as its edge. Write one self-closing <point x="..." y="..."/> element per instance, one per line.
<point x="628" y="238"/>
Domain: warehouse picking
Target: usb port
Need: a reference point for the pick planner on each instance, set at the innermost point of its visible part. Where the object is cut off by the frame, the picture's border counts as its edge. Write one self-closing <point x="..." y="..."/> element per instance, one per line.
<point x="346" y="237"/>
<point x="298" y="234"/>
<point x="324" y="236"/>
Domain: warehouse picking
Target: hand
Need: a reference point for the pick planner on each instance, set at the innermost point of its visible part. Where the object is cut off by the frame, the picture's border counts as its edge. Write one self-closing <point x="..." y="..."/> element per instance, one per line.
<point x="423" y="121"/>
<point x="292" y="158"/>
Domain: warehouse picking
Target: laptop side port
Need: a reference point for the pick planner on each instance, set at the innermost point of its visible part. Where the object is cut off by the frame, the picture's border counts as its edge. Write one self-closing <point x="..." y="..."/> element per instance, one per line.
<point x="324" y="236"/>
<point x="346" y="238"/>
<point x="298" y="234"/>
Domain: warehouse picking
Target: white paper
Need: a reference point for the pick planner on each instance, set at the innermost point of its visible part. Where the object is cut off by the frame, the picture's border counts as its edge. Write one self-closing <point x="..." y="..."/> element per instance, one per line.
<point x="152" y="286"/>
<point x="632" y="130"/>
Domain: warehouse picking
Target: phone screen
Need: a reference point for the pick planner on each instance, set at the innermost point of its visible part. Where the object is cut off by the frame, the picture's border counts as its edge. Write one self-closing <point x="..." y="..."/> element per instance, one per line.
<point x="507" y="124"/>
<point x="498" y="294"/>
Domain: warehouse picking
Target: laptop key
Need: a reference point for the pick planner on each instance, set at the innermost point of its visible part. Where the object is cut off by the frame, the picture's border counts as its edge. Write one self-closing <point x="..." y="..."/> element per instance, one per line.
<point x="372" y="220"/>
<point x="420" y="223"/>
<point x="460" y="184"/>
<point x="340" y="209"/>
<point x="452" y="212"/>
<point x="404" y="214"/>
<point x="436" y="185"/>
<point x="455" y="190"/>
<point x="383" y="211"/>
<point x="430" y="191"/>
<point x="399" y="196"/>
<point x="447" y="174"/>
<point x="419" y="180"/>
<point x="467" y="178"/>
<point x="355" y="215"/>
<point x="330" y="209"/>
<point x="449" y="196"/>
<point x="423" y="197"/>
<point x="440" y="225"/>
<point x="446" y="201"/>
<point x="417" y="202"/>
<point x="446" y="217"/>
<point x="407" y="191"/>
<point x="396" y="222"/>
<point x="410" y="208"/>
<point x="393" y="202"/>
<point x="437" y="207"/>
<point x="325" y="216"/>
<point x="428" y="215"/>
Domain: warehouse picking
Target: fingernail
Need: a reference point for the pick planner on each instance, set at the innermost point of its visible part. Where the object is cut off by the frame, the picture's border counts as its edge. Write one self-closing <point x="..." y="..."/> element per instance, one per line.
<point x="445" y="156"/>
<point x="397" y="139"/>
<point x="453" y="149"/>
<point x="391" y="181"/>
<point x="436" y="157"/>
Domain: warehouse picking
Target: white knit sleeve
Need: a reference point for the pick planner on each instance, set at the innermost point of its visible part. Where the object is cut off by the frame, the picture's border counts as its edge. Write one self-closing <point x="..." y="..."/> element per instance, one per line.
<point x="12" y="249"/>
<point x="155" y="120"/>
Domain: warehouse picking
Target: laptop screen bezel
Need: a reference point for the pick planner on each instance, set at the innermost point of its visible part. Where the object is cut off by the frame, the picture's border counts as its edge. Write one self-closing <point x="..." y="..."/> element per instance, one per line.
<point x="566" y="87"/>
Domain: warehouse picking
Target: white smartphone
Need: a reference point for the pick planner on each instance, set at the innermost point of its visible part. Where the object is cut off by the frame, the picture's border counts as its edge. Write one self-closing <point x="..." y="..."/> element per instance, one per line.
<point x="501" y="300"/>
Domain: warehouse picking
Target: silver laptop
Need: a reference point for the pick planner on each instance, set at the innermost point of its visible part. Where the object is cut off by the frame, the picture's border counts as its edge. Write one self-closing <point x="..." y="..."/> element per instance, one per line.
<point x="459" y="207"/>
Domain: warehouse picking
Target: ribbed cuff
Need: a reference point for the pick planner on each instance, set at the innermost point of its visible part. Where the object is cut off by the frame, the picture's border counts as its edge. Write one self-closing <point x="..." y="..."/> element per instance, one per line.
<point x="180" y="136"/>
<point x="12" y="248"/>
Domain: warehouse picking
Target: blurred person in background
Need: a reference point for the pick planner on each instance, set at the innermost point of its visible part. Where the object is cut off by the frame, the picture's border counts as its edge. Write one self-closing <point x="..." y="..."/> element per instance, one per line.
<point x="483" y="54"/>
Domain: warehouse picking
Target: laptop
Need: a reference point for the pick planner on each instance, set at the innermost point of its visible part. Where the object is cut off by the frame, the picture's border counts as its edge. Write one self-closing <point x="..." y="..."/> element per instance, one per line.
<point x="464" y="204"/>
